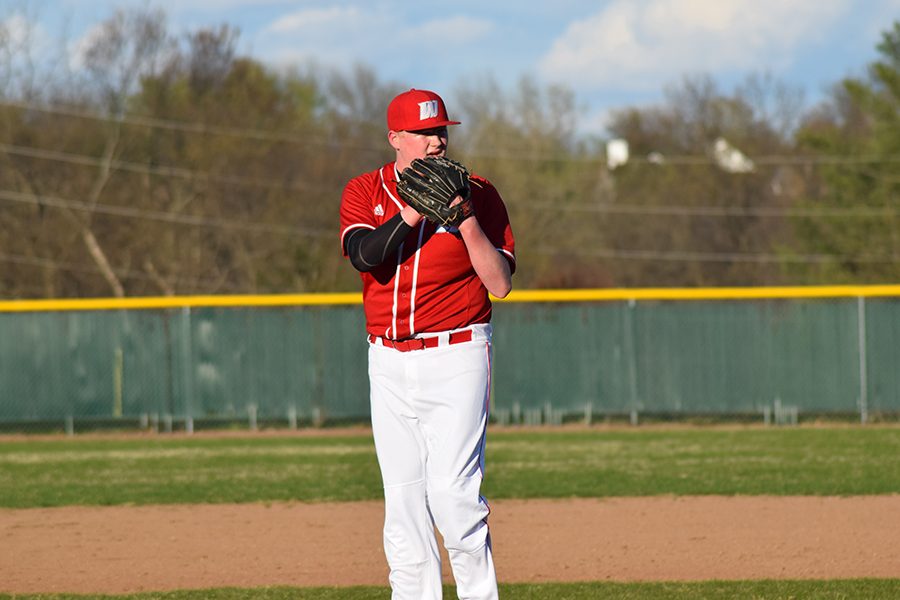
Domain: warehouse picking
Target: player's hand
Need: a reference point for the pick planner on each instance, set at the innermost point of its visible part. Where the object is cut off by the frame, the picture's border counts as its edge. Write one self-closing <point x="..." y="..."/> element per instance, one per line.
<point x="410" y="216"/>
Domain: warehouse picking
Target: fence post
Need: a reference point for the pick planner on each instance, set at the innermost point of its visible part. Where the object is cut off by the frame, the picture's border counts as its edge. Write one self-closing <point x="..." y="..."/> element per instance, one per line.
<point x="118" y="376"/>
<point x="863" y="366"/>
<point x="631" y="351"/>
<point x="187" y="368"/>
<point x="252" y="413"/>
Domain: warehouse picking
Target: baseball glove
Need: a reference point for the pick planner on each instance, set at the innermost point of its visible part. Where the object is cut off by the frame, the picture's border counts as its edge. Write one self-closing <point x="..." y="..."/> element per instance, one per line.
<point x="429" y="185"/>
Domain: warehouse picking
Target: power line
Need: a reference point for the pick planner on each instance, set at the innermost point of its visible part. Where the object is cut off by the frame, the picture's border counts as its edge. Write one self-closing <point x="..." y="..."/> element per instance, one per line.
<point x="169" y="217"/>
<point x="186" y="126"/>
<point x="70" y="266"/>
<point x="153" y="122"/>
<point x="707" y="211"/>
<point x="75" y="267"/>
<point x="90" y="161"/>
<point x="716" y="211"/>
<point x="745" y="257"/>
<point x="687" y="160"/>
<point x="670" y="210"/>
<point x="649" y="255"/>
<point x="306" y="140"/>
<point x="775" y="160"/>
<point x="93" y="269"/>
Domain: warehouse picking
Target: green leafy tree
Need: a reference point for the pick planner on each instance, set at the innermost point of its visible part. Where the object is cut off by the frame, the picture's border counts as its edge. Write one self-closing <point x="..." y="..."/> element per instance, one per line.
<point x="856" y="135"/>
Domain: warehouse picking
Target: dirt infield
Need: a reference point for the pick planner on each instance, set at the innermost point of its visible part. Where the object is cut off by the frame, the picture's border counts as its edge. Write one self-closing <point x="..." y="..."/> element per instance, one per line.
<point x="129" y="549"/>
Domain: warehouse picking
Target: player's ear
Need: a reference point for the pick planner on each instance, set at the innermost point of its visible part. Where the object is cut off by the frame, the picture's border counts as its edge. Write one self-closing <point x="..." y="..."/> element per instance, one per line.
<point x="394" y="139"/>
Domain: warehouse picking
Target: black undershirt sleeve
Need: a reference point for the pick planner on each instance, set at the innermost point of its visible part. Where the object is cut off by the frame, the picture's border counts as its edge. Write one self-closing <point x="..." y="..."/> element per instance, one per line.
<point x="369" y="248"/>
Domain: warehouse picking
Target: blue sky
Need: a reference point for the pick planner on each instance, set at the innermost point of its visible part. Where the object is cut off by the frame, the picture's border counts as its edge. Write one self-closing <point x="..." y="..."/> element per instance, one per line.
<point x="611" y="53"/>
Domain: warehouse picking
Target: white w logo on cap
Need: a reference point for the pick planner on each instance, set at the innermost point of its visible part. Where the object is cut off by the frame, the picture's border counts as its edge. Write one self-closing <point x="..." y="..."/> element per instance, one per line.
<point x="428" y="109"/>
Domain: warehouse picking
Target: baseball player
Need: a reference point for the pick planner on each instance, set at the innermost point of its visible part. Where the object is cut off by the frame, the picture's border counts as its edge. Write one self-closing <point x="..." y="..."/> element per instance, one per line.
<point x="430" y="241"/>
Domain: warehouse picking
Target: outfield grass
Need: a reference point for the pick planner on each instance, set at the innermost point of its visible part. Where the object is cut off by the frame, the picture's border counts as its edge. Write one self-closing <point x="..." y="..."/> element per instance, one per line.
<point x="520" y="464"/>
<point x="708" y="590"/>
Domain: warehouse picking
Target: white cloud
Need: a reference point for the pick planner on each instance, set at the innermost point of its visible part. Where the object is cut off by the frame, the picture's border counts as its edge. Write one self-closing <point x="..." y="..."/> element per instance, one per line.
<point x="21" y="33"/>
<point x="171" y="7"/>
<point x="314" y="19"/>
<point x="634" y="45"/>
<point x="25" y="40"/>
<point x="78" y="49"/>
<point x="335" y="37"/>
<point x="452" y="30"/>
<point x="16" y="29"/>
<point x="216" y="5"/>
<point x="373" y="28"/>
<point x="343" y="36"/>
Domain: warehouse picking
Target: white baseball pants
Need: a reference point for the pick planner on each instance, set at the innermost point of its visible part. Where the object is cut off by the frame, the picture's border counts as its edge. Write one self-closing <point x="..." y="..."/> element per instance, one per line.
<point x="429" y="419"/>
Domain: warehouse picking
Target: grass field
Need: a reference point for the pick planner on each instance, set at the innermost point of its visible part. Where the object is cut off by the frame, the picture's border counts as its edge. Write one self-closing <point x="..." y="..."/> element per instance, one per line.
<point x="707" y="590"/>
<point x="521" y="464"/>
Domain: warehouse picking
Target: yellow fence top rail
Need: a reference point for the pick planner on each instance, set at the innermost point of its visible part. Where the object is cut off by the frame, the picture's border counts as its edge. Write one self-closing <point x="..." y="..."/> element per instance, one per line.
<point x="138" y="303"/>
<point x="578" y="295"/>
<point x="722" y="293"/>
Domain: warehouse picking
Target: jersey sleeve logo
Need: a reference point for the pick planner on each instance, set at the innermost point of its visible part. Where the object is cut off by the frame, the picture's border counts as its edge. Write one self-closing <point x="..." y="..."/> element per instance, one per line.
<point x="428" y="109"/>
<point x="379" y="211"/>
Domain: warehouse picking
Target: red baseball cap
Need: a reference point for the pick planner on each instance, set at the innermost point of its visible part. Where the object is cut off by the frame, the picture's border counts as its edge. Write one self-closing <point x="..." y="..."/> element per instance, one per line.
<point x="417" y="109"/>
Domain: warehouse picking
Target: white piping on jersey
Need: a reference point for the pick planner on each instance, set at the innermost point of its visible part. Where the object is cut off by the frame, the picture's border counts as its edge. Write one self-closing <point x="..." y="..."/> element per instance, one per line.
<point x="396" y="289"/>
<point x="399" y="252"/>
<point x="415" y="278"/>
<point x="384" y="185"/>
<point x="412" y="293"/>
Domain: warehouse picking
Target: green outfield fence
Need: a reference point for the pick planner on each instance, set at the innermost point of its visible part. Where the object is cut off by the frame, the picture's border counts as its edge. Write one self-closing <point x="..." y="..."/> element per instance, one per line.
<point x="180" y="363"/>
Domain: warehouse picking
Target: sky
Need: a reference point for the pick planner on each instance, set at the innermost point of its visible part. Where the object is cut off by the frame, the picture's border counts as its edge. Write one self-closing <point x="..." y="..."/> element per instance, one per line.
<point x="610" y="53"/>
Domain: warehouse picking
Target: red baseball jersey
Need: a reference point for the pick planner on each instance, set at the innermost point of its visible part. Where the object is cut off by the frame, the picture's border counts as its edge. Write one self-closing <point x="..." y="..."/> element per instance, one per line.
<point x="430" y="284"/>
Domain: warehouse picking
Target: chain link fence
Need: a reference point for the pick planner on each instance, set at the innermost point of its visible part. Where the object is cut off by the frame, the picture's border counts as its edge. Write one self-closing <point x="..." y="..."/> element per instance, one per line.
<point x="192" y="367"/>
<point x="771" y="359"/>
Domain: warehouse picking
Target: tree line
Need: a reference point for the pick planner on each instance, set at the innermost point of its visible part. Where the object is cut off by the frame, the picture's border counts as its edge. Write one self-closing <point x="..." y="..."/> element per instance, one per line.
<point x="167" y="164"/>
